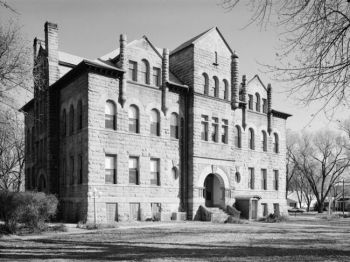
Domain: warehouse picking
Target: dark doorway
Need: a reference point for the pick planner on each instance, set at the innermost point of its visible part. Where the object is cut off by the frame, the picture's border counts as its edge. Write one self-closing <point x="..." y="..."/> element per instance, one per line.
<point x="213" y="191"/>
<point x="254" y="209"/>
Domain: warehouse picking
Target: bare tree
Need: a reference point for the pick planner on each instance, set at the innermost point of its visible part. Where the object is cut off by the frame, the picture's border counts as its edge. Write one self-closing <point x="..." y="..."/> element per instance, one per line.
<point x="322" y="160"/>
<point x="315" y="45"/>
<point x="11" y="152"/>
<point x="291" y="167"/>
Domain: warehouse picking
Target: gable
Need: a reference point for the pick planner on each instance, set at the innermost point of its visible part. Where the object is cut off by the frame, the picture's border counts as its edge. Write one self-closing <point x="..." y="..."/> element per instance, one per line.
<point x="255" y="85"/>
<point x="213" y="41"/>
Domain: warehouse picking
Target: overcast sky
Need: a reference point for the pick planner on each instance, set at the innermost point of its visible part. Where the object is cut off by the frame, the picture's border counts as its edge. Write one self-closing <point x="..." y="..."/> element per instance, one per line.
<point x="91" y="29"/>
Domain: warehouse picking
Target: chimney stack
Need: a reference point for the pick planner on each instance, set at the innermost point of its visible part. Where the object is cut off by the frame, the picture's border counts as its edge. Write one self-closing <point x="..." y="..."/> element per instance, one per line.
<point x="269" y="109"/>
<point x="244" y="105"/>
<point x="123" y="64"/>
<point x="51" y="46"/>
<point x="165" y="79"/>
<point x="234" y="81"/>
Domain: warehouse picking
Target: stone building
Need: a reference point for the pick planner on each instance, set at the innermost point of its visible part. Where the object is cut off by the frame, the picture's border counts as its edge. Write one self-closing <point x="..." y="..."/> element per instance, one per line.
<point x="153" y="132"/>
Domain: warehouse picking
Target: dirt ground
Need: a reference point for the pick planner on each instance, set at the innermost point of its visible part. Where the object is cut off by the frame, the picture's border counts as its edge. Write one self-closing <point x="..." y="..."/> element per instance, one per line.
<point x="299" y="239"/>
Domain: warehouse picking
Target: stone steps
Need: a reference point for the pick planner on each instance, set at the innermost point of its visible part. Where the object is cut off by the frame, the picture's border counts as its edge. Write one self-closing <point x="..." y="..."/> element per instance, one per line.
<point x="217" y="215"/>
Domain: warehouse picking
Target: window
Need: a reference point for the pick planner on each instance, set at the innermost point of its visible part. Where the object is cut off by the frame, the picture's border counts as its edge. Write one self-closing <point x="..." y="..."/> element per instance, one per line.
<point x="156" y="76"/>
<point x="263" y="179"/>
<point x="224" y="136"/>
<point x="238" y="137"/>
<point x="110" y="118"/>
<point x="275" y="143"/>
<point x="134" y="171"/>
<point x="264" y="101"/>
<point x="154" y="168"/>
<point x="265" y="210"/>
<point x="71" y="120"/>
<point x="276" y="179"/>
<point x="155" y="125"/>
<point x="174" y="173"/>
<point x="205" y="84"/>
<point x="63" y="123"/>
<point x="216" y="86"/>
<point x="237" y="177"/>
<point x="80" y="115"/>
<point x="133" y="119"/>
<point x="251" y="178"/>
<point x="251" y="139"/>
<point x="257" y="102"/>
<point x="250" y="102"/>
<point x="110" y="170"/>
<point x="226" y="90"/>
<point x="144" y="71"/>
<point x="80" y="169"/>
<point x="174" y="126"/>
<point x="133" y="71"/>
<point x="276" y="209"/>
<point x="215" y="126"/>
<point x="264" y="141"/>
<point x="205" y="125"/>
<point x="216" y="58"/>
<point x="71" y="170"/>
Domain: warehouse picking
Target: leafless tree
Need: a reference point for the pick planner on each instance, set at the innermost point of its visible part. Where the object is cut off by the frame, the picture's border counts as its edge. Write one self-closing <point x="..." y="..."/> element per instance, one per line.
<point x="315" y="45"/>
<point x="11" y="152"/>
<point x="291" y="167"/>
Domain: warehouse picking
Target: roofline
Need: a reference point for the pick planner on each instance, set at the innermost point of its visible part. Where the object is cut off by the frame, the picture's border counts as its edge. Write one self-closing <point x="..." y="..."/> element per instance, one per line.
<point x="280" y="114"/>
<point x="27" y="106"/>
<point x="153" y="47"/>
<point x="258" y="77"/>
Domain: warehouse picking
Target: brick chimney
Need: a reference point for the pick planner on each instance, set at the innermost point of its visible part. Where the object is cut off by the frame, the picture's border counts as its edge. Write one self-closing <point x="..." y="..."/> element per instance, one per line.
<point x="244" y="105"/>
<point x="165" y="78"/>
<point x="51" y="46"/>
<point x="269" y="108"/>
<point x="234" y="81"/>
<point x="123" y="64"/>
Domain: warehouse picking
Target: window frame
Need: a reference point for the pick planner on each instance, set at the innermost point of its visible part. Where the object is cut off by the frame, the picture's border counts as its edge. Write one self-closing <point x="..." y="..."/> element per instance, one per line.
<point x="215" y="130"/>
<point x="134" y="122"/>
<point x="251" y="178"/>
<point x="110" y="119"/>
<point x="155" y="126"/>
<point x="264" y="179"/>
<point x="174" y="130"/>
<point x="111" y="173"/>
<point x="132" y="71"/>
<point x="251" y="139"/>
<point x="144" y="72"/>
<point x="204" y="127"/>
<point x="224" y="135"/>
<point x="136" y="170"/>
<point x="156" y="174"/>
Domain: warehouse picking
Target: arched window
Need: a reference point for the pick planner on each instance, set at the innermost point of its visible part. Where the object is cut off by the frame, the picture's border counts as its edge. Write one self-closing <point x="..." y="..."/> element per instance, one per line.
<point x="264" y="141"/>
<point x="80" y="114"/>
<point x="110" y="111"/>
<point x="257" y="102"/>
<point x="238" y="137"/>
<point x="216" y="86"/>
<point x="133" y="119"/>
<point x="71" y="120"/>
<point x="205" y="84"/>
<point x="144" y="72"/>
<point x="174" y="126"/>
<point x="251" y="141"/>
<point x="155" y="122"/>
<point x="226" y="90"/>
<point x="275" y="143"/>
<point x="64" y="123"/>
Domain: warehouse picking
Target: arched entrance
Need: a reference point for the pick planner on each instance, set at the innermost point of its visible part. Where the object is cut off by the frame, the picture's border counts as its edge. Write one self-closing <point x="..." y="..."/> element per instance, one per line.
<point x="214" y="186"/>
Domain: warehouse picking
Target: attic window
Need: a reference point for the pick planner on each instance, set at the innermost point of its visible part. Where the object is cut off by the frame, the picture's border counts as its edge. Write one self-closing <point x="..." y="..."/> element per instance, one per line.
<point x="216" y="59"/>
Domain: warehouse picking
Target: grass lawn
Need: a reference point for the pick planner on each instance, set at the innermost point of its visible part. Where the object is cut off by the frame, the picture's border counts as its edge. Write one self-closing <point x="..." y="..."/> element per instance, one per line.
<point x="299" y="239"/>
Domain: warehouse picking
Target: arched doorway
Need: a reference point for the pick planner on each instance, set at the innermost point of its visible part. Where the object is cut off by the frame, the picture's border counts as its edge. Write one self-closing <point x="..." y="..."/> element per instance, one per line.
<point x="214" y="186"/>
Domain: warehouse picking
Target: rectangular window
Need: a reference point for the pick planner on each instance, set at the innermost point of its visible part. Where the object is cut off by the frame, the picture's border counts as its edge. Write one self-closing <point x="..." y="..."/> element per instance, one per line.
<point x="250" y="102"/>
<point x="134" y="171"/>
<point x="71" y="170"/>
<point x="134" y="211"/>
<point x="263" y="179"/>
<point x="110" y="170"/>
<point x="156" y="76"/>
<point x="251" y="178"/>
<point x="276" y="209"/>
<point x="215" y="125"/>
<point x="156" y="209"/>
<point x="80" y="169"/>
<point x="264" y="105"/>
<point x="133" y="71"/>
<point x="205" y="125"/>
<point x="112" y="212"/>
<point x="265" y="209"/>
<point x="154" y="169"/>
<point x="224" y="136"/>
<point x="109" y="121"/>
<point x="276" y="179"/>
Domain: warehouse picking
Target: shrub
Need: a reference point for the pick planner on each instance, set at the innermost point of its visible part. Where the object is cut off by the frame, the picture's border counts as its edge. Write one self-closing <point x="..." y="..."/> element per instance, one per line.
<point x="272" y="218"/>
<point x="30" y="208"/>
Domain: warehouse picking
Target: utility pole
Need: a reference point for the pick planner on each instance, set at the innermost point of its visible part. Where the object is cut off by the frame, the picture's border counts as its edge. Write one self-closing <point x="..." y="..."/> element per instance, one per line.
<point x="94" y="194"/>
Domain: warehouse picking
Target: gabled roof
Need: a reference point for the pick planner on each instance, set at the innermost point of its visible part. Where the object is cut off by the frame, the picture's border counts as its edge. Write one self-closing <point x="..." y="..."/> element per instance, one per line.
<point x="70" y="59"/>
<point x="197" y="38"/>
<point x="259" y="79"/>
<point x="115" y="53"/>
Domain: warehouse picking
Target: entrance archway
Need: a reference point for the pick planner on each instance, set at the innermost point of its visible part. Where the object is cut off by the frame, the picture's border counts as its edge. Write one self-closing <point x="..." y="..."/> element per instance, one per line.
<point x="214" y="186"/>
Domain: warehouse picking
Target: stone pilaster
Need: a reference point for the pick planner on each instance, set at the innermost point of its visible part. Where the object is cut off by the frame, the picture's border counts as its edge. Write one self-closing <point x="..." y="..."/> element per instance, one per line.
<point x="234" y="81"/>
<point x="165" y="79"/>
<point x="123" y="64"/>
<point x="269" y="108"/>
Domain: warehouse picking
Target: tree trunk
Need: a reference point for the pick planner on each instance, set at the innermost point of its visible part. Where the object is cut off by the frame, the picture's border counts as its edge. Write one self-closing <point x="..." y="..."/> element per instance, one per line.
<point x="320" y="207"/>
